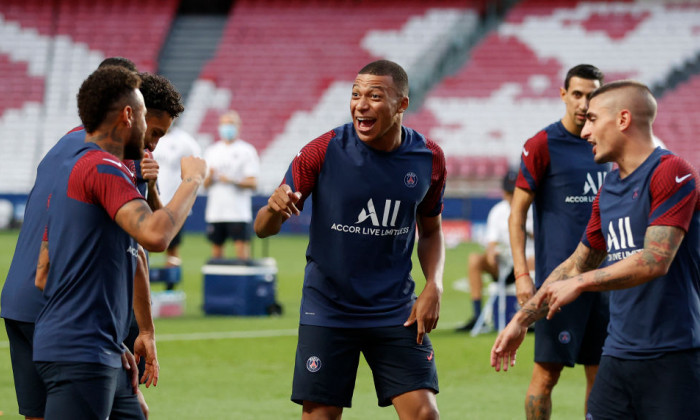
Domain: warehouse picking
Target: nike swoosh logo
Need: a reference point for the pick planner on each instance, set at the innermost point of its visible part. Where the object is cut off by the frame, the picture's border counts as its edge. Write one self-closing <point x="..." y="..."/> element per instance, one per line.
<point x="525" y="152"/>
<point x="299" y="154"/>
<point x="681" y="179"/>
<point x="430" y="357"/>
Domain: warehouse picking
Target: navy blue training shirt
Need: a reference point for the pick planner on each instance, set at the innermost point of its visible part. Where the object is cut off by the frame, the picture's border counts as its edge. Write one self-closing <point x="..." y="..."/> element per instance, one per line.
<point x="662" y="315"/>
<point x="363" y="225"/>
<point x="90" y="282"/>
<point x="559" y="168"/>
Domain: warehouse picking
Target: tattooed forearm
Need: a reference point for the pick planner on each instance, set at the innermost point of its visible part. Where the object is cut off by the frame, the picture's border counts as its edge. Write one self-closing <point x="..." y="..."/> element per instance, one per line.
<point x="140" y="215"/>
<point x="587" y="259"/>
<point x="533" y="313"/>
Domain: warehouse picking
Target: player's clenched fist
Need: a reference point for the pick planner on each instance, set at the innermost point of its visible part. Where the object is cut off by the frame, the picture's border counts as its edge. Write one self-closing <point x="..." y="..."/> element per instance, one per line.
<point x="191" y="166"/>
<point x="283" y="202"/>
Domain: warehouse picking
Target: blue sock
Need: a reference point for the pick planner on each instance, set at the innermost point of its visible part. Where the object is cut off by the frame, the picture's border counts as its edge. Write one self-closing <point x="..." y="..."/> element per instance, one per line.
<point x="476" y="304"/>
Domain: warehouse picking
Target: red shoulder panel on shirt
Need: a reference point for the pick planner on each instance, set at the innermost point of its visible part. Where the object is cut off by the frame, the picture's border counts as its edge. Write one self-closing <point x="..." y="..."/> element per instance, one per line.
<point x="535" y="160"/>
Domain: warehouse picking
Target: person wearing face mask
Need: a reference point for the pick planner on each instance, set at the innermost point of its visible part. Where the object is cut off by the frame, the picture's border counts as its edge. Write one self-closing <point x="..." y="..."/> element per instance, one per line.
<point x="231" y="179"/>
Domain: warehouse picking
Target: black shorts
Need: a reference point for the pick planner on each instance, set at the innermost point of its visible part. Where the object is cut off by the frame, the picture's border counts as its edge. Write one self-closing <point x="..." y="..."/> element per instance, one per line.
<point x="663" y="388"/>
<point x="29" y="387"/>
<point x="217" y="233"/>
<point x="103" y="392"/>
<point x="327" y="360"/>
<point x="576" y="334"/>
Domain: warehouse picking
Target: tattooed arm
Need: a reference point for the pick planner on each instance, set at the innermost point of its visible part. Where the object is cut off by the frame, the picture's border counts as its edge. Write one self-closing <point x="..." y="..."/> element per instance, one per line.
<point x="660" y="246"/>
<point x="42" y="266"/>
<point x="504" y="349"/>
<point x="155" y="230"/>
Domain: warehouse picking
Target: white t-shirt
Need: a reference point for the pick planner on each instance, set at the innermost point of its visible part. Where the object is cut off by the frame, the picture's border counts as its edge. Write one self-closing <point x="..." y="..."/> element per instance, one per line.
<point x="497" y="230"/>
<point x="236" y="161"/>
<point x="172" y="147"/>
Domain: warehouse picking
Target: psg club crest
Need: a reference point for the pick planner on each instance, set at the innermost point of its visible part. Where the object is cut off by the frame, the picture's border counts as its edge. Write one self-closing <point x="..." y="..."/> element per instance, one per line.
<point x="313" y="364"/>
<point x="564" y="337"/>
<point x="411" y="179"/>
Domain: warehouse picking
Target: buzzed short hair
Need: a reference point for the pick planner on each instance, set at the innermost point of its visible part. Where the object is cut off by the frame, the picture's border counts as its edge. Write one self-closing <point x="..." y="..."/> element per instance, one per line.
<point x="388" y="68"/>
<point x="119" y="62"/>
<point x="639" y="98"/>
<point x="584" y="71"/>
<point x="103" y="91"/>
<point x="159" y="94"/>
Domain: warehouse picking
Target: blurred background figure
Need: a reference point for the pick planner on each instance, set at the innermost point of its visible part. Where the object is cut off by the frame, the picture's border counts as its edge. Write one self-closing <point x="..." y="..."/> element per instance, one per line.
<point x="497" y="242"/>
<point x="232" y="178"/>
<point x="175" y="145"/>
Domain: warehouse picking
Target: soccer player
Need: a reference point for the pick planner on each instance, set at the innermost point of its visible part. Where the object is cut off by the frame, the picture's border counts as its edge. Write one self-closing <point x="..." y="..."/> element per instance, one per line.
<point x="371" y="182"/>
<point x="558" y="174"/>
<point x="645" y="225"/>
<point x="94" y="212"/>
<point x="22" y="301"/>
<point x="233" y="176"/>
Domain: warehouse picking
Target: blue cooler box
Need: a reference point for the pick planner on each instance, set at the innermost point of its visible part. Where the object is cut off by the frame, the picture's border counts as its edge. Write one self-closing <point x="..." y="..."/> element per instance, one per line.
<point x="239" y="288"/>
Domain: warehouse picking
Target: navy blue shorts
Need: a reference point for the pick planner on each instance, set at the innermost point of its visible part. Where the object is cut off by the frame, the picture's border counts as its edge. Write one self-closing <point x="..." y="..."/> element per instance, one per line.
<point x="29" y="387"/>
<point x="665" y="388"/>
<point x="217" y="233"/>
<point x="327" y="360"/>
<point x="88" y="391"/>
<point x="576" y="334"/>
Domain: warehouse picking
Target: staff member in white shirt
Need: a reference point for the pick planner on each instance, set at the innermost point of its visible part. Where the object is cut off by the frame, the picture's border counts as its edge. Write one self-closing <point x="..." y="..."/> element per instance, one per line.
<point x="232" y="178"/>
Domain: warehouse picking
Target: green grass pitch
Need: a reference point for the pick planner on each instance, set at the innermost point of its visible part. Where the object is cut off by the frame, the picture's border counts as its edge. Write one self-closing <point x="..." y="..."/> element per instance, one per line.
<point x="241" y="367"/>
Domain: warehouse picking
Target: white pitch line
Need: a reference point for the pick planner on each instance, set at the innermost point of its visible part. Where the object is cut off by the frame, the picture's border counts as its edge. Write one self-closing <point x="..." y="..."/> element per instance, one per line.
<point x="221" y="335"/>
<point x="225" y="335"/>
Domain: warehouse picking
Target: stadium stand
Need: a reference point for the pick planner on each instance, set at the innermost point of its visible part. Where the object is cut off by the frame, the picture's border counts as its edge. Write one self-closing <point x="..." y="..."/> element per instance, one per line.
<point x="507" y="90"/>
<point x="291" y="82"/>
<point x="47" y="48"/>
<point x="287" y="67"/>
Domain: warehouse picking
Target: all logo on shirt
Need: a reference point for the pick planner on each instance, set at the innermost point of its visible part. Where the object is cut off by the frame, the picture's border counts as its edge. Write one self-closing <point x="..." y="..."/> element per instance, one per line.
<point x="375" y="221"/>
<point x="620" y="239"/>
<point x="591" y="186"/>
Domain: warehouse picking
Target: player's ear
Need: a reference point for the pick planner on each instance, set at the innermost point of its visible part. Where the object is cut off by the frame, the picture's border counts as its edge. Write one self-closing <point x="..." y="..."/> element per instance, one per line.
<point x="624" y="119"/>
<point x="127" y="115"/>
<point x="403" y="104"/>
<point x="562" y="93"/>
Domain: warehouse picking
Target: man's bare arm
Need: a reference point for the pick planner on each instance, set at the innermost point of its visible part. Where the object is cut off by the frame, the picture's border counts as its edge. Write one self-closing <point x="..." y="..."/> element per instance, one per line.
<point x="145" y="344"/>
<point x="280" y="206"/>
<point x="42" y="266"/>
<point x="155" y="230"/>
<point x="519" y="206"/>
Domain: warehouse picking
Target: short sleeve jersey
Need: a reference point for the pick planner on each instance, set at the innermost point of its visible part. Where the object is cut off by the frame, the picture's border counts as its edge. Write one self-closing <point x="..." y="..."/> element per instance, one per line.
<point x="363" y="225"/>
<point x="662" y="315"/>
<point x="236" y="161"/>
<point x="90" y="283"/>
<point x="21" y="300"/>
<point x="559" y="168"/>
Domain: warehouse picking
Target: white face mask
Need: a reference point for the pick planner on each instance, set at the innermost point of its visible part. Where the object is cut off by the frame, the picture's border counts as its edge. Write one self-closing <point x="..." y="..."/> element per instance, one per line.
<point x="228" y="131"/>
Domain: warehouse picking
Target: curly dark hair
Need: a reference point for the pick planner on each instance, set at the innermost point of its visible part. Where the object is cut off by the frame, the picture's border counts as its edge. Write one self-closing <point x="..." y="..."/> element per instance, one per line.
<point x="120" y="62"/>
<point x="159" y="94"/>
<point x="103" y="91"/>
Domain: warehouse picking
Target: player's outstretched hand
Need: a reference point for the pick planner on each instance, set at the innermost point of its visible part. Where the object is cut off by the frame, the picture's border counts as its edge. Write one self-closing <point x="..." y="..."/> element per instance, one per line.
<point x="283" y="202"/>
<point x="558" y="294"/>
<point x="145" y="346"/>
<point x="506" y="345"/>
<point x="129" y="363"/>
<point x="193" y="167"/>
<point x="425" y="311"/>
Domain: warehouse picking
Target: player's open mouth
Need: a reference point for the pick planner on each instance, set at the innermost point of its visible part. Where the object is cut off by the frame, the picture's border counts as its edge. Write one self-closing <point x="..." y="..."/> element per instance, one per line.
<point x="365" y="123"/>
